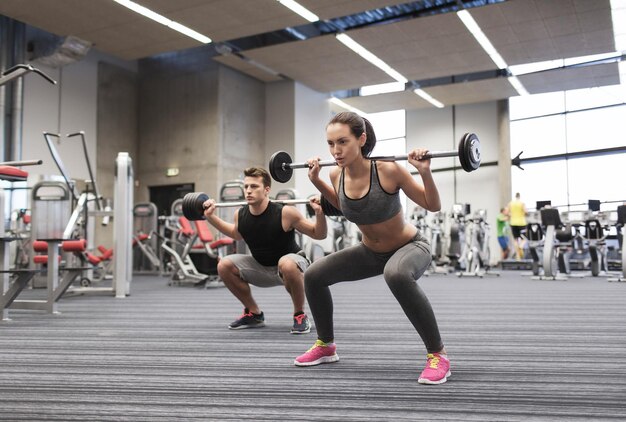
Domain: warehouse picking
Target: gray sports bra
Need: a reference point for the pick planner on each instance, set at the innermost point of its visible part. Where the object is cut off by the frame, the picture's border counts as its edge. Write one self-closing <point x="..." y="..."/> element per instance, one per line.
<point x="374" y="207"/>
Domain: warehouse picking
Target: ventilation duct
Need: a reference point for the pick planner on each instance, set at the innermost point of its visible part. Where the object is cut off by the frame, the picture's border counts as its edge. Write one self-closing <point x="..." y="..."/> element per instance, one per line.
<point x="54" y="51"/>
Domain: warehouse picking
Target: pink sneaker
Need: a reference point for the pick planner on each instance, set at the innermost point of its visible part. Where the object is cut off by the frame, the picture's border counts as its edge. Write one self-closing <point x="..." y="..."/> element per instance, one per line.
<point x="437" y="369"/>
<point x="320" y="353"/>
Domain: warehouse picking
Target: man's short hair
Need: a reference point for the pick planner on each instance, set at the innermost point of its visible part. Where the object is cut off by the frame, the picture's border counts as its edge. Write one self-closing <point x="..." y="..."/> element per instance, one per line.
<point x="259" y="172"/>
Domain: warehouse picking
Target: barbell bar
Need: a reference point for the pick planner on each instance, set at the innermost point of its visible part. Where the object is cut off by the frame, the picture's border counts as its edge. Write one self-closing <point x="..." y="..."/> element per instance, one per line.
<point x="193" y="205"/>
<point x="468" y="152"/>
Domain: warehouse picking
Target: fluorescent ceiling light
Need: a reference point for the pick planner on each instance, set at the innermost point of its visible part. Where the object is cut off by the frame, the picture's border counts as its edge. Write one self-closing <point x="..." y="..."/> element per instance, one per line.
<point x="370" y="57"/>
<point x="347" y="106"/>
<point x="484" y="42"/>
<point x="381" y="88"/>
<point x="482" y="39"/>
<point x="144" y="11"/>
<point x="300" y="10"/>
<point x="521" y="90"/>
<point x="428" y="98"/>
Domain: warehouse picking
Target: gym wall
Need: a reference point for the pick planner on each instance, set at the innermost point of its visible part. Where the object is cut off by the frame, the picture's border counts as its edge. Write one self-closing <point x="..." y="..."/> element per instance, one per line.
<point x="280" y="122"/>
<point x="117" y="112"/>
<point x="241" y="116"/>
<point x="200" y="117"/>
<point x="296" y="118"/>
<point x="312" y="115"/>
<point x="69" y="106"/>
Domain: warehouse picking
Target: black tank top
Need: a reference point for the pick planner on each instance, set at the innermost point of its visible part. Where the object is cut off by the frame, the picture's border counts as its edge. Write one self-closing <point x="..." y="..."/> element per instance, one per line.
<point x="264" y="234"/>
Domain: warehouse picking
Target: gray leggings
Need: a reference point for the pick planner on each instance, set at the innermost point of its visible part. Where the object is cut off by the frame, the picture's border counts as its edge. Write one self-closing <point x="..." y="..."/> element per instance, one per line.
<point x="400" y="268"/>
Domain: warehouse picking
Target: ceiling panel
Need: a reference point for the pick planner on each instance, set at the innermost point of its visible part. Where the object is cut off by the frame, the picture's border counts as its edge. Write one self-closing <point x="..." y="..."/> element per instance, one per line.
<point x="321" y="63"/>
<point x="110" y="27"/>
<point x="458" y="93"/>
<point x="425" y="48"/>
<point x="527" y="31"/>
<point x="389" y="101"/>
<point x="572" y="78"/>
<point x="141" y="35"/>
<point x="69" y="17"/>
<point x="248" y="68"/>
<point x="473" y="92"/>
<point x="231" y="19"/>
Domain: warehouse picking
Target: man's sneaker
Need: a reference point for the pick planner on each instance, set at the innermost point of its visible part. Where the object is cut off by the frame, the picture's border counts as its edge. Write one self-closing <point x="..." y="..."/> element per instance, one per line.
<point x="301" y="324"/>
<point x="320" y="353"/>
<point x="437" y="369"/>
<point x="248" y="320"/>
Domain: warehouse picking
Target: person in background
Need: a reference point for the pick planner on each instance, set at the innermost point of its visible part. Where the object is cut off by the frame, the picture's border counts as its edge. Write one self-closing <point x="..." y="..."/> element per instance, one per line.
<point x="517" y="220"/>
<point x="503" y="232"/>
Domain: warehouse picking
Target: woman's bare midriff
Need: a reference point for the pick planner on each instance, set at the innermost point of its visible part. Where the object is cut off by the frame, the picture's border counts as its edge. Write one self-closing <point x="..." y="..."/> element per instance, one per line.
<point x="388" y="235"/>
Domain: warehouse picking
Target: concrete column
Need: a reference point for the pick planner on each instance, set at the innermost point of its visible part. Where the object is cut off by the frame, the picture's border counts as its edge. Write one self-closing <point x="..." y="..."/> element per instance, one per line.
<point x="504" y="152"/>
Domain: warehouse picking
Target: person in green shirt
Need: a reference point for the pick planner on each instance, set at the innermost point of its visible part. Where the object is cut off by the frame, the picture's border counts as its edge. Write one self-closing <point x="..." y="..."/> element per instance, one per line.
<point x="503" y="232"/>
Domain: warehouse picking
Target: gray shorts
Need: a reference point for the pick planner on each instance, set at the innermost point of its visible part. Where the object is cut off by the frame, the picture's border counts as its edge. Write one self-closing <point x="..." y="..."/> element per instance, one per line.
<point x="259" y="275"/>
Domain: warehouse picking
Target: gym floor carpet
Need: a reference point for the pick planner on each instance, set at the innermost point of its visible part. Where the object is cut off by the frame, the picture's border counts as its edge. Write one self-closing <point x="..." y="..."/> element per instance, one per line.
<point x="520" y="349"/>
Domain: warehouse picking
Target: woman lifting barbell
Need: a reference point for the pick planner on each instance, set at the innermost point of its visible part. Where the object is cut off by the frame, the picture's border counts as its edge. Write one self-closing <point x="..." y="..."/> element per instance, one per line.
<point x="367" y="192"/>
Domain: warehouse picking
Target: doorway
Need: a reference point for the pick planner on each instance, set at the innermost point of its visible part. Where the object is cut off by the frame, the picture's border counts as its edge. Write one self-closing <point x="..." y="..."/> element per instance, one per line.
<point x="164" y="196"/>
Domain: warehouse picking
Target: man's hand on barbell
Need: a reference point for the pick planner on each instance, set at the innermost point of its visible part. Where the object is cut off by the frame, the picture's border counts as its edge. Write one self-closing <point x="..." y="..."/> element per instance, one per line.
<point x="314" y="201"/>
<point x="209" y="207"/>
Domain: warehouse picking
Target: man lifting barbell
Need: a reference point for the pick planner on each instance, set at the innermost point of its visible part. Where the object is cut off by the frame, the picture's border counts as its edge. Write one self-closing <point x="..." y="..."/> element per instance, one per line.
<point x="267" y="227"/>
<point x="367" y="192"/>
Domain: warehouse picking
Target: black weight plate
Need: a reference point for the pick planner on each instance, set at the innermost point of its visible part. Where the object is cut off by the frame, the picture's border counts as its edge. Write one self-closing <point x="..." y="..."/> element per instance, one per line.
<point x="192" y="205"/>
<point x="279" y="166"/>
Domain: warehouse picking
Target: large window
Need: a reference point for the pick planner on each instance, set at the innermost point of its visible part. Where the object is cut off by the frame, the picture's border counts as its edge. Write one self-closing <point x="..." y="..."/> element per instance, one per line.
<point x="570" y="122"/>
<point x="538" y="136"/>
<point x="388" y="124"/>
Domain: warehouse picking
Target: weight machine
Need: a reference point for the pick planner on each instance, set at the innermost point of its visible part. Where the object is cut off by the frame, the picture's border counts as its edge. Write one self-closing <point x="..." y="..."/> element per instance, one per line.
<point x="477" y="247"/>
<point x="457" y="253"/>
<point x="80" y="226"/>
<point x="145" y="225"/>
<point x="181" y="266"/>
<point x="620" y="225"/>
<point x="536" y="240"/>
<point x="556" y="246"/>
